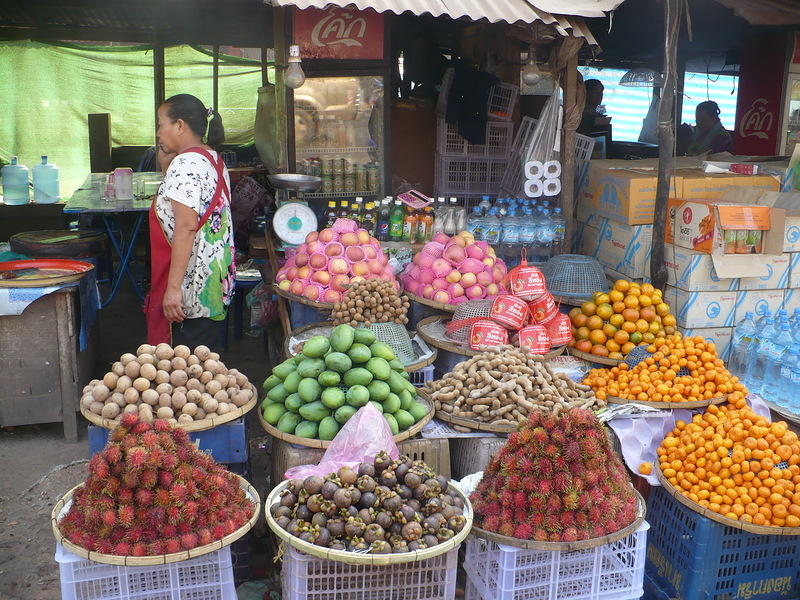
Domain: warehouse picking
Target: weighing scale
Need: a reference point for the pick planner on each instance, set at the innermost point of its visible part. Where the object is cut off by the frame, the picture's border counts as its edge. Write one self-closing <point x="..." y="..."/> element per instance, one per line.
<point x="294" y="219"/>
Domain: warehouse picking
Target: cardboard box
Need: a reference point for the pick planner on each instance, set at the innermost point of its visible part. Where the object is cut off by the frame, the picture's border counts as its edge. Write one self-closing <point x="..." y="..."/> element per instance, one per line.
<point x="623" y="248"/>
<point x="776" y="278"/>
<point x="791" y="300"/>
<point x="794" y="270"/>
<point x="720" y="336"/>
<point x="694" y="271"/>
<point x="694" y="310"/>
<point x="624" y="195"/>
<point x="791" y="239"/>
<point x="757" y="301"/>
<point x="698" y="184"/>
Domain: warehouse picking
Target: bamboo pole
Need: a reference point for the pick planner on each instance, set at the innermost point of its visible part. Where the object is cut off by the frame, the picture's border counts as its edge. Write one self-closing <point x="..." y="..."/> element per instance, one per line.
<point x="568" y="147"/>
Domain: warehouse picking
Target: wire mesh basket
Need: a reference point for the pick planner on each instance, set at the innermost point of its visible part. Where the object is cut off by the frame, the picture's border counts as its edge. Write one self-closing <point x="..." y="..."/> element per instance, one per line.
<point x="640" y="353"/>
<point x="397" y="338"/>
<point x="467" y="312"/>
<point x="574" y="276"/>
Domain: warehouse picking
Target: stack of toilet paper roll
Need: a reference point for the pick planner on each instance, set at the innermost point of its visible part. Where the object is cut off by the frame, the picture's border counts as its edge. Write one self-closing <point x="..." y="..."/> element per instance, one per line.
<point x="542" y="178"/>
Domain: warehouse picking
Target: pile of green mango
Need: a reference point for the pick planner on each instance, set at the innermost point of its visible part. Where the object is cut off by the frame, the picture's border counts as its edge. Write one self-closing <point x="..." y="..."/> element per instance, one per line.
<point x="316" y="392"/>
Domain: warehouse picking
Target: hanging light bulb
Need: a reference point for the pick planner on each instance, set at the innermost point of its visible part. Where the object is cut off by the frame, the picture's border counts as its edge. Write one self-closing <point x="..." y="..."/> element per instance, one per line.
<point x="530" y="72"/>
<point x="294" y="72"/>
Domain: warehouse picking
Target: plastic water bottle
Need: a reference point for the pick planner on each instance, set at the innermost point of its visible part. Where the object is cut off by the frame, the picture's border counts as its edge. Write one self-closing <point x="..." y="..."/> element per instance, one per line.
<point x="559" y="231"/>
<point x="547" y="230"/>
<point x="786" y="389"/>
<point x="45" y="183"/>
<point x="492" y="227"/>
<point x="791" y="395"/>
<point x="15" y="183"/>
<point x="475" y="224"/>
<point x="742" y="338"/>
<point x="510" y="239"/>
<point x="794" y="320"/>
<point x="527" y="232"/>
<point x="485" y="205"/>
<point x="780" y="346"/>
<point x="759" y="353"/>
<point x="540" y="241"/>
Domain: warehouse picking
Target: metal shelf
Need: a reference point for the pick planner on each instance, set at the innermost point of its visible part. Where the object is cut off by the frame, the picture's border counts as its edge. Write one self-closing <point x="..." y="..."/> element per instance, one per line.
<point x="321" y="151"/>
<point x="363" y="194"/>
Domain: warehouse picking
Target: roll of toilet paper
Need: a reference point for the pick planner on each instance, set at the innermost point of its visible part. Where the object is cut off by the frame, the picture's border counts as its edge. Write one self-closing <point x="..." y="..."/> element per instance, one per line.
<point x="534" y="188"/>
<point x="552" y="169"/>
<point x="552" y="187"/>
<point x="534" y="169"/>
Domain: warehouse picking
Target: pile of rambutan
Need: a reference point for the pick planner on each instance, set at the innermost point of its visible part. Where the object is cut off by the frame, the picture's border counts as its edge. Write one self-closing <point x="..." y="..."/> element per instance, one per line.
<point x="556" y="480"/>
<point x="151" y="492"/>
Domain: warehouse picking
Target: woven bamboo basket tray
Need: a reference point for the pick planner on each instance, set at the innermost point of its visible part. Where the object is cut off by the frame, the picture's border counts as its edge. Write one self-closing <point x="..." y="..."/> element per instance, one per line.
<point x="696" y="404"/>
<point x="448" y="308"/>
<point x="566" y="546"/>
<point x="201" y="425"/>
<point x="600" y="360"/>
<point x="62" y="506"/>
<point x="723" y="520"/>
<point x="432" y="330"/>
<point x="465" y="422"/>
<point x="325" y="327"/>
<point x="358" y="558"/>
<point x="327" y="306"/>
<point x="311" y="443"/>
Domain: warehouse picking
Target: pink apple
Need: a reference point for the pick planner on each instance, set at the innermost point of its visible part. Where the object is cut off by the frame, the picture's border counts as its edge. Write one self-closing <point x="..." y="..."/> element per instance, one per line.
<point x="441" y="296"/>
<point x="455" y="290"/>
<point x="497" y="275"/>
<point x="475" y="292"/>
<point x="489" y="261"/>
<point x="427" y="291"/>
<point x="475" y="251"/>
<point x="340" y="282"/>
<point x="315" y="246"/>
<point x="354" y="253"/>
<point x="331" y="296"/>
<point x="304" y="272"/>
<point x="321" y="277"/>
<point x="301" y="259"/>
<point x="383" y="258"/>
<point x="459" y="239"/>
<point x="364" y="237"/>
<point x="312" y="237"/>
<point x="360" y="269"/>
<point x="334" y="249"/>
<point x="318" y="261"/>
<point x="297" y="287"/>
<point x="426" y="276"/>
<point x="492" y="289"/>
<point x="416" y="258"/>
<point x="459" y="300"/>
<point x="442" y="238"/>
<point x="285" y="285"/>
<point x="312" y="292"/>
<point x="468" y="279"/>
<point x="370" y="252"/>
<point x="349" y="239"/>
<point x="453" y="276"/>
<point x="374" y="241"/>
<point x="375" y="266"/>
<point x="386" y="277"/>
<point x="326" y="236"/>
<point x="338" y="266"/>
<point x="355" y="280"/>
<point x="440" y="284"/>
<point x="484" y="278"/>
<point x="291" y="274"/>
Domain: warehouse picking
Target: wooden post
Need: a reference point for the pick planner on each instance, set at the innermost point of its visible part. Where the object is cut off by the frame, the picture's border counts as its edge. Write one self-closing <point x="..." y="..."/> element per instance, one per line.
<point x="215" y="73"/>
<point x="158" y="73"/>
<point x="666" y="139"/>
<point x="284" y="96"/>
<point x="99" y="142"/>
<point x="569" y="85"/>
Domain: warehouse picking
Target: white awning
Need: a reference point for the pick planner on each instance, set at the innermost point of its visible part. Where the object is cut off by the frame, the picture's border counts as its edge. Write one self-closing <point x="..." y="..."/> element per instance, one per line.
<point x="564" y="15"/>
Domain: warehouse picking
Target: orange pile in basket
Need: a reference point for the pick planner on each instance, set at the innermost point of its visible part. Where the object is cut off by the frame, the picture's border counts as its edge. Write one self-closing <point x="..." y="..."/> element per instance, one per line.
<point x="657" y="379"/>
<point x="736" y="463"/>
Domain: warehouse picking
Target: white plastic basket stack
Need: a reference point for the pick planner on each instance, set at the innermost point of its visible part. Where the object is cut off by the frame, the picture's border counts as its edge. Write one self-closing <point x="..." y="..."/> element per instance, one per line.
<point x="207" y="577"/>
<point x="306" y="577"/>
<point x="612" y="571"/>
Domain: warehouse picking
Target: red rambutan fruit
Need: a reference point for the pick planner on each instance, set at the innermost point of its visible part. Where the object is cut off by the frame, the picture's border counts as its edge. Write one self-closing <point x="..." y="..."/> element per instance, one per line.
<point x="506" y="515"/>
<point x="595" y="515"/>
<point x="148" y="479"/>
<point x="567" y="518"/>
<point x="524" y="531"/>
<point x="128" y="420"/>
<point x="520" y="500"/>
<point x="188" y="541"/>
<point x="570" y="534"/>
<point x="149" y="439"/>
<point x="598" y="532"/>
<point x="514" y="440"/>
<point x="507" y="498"/>
<point x="189" y="511"/>
<point x="553" y="504"/>
<point x="545" y="487"/>
<point x="491" y="508"/>
<point x="111" y="486"/>
<point x="536" y="519"/>
<point x="571" y="500"/>
<point x="552" y="523"/>
<point x="136" y="458"/>
<point x="161" y="497"/>
<point x="126" y="515"/>
<point x="539" y="435"/>
<point x="549" y="421"/>
<point x="537" y="503"/>
<point x="154" y="458"/>
<point x="109" y="517"/>
<point x="596" y="496"/>
<point x="527" y="465"/>
<point x="122" y="548"/>
<point x="177" y="493"/>
<point x="558" y="438"/>
<point x="218" y="531"/>
<point x="98" y="467"/>
<point x="184" y="528"/>
<point x="218" y="498"/>
<point x="130" y="478"/>
<point x="535" y="417"/>
<point x="166" y="441"/>
<point x="181" y="436"/>
<point x="514" y="482"/>
<point x="169" y="461"/>
<point x="540" y="535"/>
<point x="530" y="485"/>
<point x="135" y="534"/>
<point x="560" y="463"/>
<point x="162" y="426"/>
<point x="581" y="519"/>
<point x="526" y="435"/>
<point x="155" y="548"/>
<point x="573" y="451"/>
<point x="506" y="529"/>
<point x="112" y="454"/>
<point x="169" y="530"/>
<point x="204" y="536"/>
<point x="174" y="514"/>
<point x="191" y="489"/>
<point x="105" y="546"/>
<point x="125" y="495"/>
<point x="562" y="481"/>
<point x="118" y="468"/>
<point x="171" y="545"/>
<point x="141" y="427"/>
<point x="144" y="497"/>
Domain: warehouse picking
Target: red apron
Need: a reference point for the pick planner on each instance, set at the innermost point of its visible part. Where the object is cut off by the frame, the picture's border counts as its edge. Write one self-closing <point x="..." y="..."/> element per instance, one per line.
<point x="158" y="327"/>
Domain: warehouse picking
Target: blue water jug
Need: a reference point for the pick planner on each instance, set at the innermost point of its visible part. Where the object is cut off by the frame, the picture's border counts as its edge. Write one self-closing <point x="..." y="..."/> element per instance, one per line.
<point x="45" y="183"/>
<point x="15" y="183"/>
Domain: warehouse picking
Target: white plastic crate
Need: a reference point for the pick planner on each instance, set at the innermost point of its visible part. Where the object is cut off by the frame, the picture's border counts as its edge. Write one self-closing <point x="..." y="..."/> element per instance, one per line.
<point x="500" y="104"/>
<point x="468" y="175"/>
<point x="472" y="454"/>
<point x="307" y="577"/>
<point x="584" y="146"/>
<point x="610" y="572"/>
<point x="207" y="577"/>
<point x="499" y="136"/>
<point x="421" y="376"/>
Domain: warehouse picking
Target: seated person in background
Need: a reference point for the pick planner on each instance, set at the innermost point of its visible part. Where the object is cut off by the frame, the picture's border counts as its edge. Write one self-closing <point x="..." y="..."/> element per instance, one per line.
<point x="709" y="134"/>
<point x="155" y="159"/>
<point x="594" y="98"/>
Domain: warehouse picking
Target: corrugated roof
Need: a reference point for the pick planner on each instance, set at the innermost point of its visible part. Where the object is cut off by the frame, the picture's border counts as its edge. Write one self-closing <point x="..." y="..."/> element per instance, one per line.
<point x="567" y="15"/>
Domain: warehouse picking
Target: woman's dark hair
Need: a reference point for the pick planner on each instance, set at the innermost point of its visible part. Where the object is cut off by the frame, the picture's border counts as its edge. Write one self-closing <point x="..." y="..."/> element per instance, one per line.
<point x="195" y="115"/>
<point x="709" y="107"/>
<point x="593" y="84"/>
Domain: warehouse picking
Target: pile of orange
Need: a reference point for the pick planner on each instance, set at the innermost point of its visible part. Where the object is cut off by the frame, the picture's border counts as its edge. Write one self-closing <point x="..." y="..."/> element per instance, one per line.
<point x="736" y="463"/>
<point x="657" y="378"/>
<point x="614" y="323"/>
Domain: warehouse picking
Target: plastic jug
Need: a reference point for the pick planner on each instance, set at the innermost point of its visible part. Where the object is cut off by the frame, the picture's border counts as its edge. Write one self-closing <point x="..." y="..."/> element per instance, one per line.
<point x="45" y="183"/>
<point x="123" y="183"/>
<point x="15" y="183"/>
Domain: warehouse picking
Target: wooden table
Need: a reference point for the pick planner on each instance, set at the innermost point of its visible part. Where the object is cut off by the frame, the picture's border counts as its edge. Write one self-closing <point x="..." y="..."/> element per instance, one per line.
<point x="90" y="199"/>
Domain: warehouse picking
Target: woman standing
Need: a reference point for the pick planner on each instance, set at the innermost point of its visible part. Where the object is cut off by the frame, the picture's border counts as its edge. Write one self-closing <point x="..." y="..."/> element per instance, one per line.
<point x="191" y="230"/>
<point x="709" y="135"/>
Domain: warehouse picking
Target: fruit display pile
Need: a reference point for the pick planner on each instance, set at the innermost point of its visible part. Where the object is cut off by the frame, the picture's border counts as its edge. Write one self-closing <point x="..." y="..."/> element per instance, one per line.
<point x="736" y="463"/>
<point x="555" y="480"/>
<point x="330" y="260"/>
<point x="176" y="384"/>
<point x="371" y="301"/>
<point x="316" y="392"/>
<point x="388" y="506"/>
<point x="678" y="370"/>
<point x="452" y="270"/>
<point x="503" y="385"/>
<point x="614" y="323"/>
<point x="150" y="492"/>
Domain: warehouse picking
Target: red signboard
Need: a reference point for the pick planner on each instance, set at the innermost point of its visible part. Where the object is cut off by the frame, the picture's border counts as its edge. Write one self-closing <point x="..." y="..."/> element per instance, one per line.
<point x="761" y="86"/>
<point x="796" y="53"/>
<point x="339" y="33"/>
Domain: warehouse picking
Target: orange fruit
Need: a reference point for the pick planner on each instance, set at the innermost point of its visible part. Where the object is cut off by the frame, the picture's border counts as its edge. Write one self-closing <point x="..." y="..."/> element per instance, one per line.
<point x="645" y="468"/>
<point x="594" y="322"/>
<point x="612" y="346"/>
<point x="604" y="311"/>
<point x="583" y="346"/>
<point x="622" y="337"/>
<point x="588" y="308"/>
<point x="616" y="320"/>
<point x="601" y="298"/>
<point x="631" y="301"/>
<point x="627" y="347"/>
<point x="648" y="289"/>
<point x="574" y="313"/>
<point x="636" y="336"/>
<point x="668" y="321"/>
<point x="582" y="333"/>
<point x="648" y="314"/>
<point x="631" y="314"/>
<point x="645" y="300"/>
<point x="654" y="329"/>
<point x="580" y="320"/>
<point x="616" y="355"/>
<point x="642" y="326"/>
<point x="622" y="285"/>
<point x="599" y="350"/>
<point x="618" y="307"/>
<point x="616" y="296"/>
<point x="609" y="330"/>
<point x="662" y="308"/>
<point x="598" y="337"/>
<point x="634" y="292"/>
<point x="629" y="326"/>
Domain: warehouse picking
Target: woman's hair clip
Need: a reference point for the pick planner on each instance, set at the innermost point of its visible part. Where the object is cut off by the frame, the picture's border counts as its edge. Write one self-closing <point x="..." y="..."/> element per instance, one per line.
<point x="210" y="112"/>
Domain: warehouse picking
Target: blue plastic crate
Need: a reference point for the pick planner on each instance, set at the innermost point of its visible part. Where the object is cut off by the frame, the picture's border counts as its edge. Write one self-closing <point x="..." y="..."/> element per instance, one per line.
<point x="691" y="557"/>
<point x="226" y="443"/>
<point x="303" y="314"/>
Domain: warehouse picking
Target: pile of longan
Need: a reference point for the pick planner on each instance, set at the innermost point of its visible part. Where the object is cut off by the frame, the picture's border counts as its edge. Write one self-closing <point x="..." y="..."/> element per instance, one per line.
<point x="371" y="301"/>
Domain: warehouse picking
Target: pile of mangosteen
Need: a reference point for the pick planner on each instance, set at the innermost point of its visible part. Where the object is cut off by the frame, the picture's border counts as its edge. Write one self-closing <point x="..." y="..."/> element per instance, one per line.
<point x="388" y="506"/>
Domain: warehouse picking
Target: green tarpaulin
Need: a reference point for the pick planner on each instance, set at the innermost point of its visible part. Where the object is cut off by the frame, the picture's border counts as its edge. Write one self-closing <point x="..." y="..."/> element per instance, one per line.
<point x="49" y="89"/>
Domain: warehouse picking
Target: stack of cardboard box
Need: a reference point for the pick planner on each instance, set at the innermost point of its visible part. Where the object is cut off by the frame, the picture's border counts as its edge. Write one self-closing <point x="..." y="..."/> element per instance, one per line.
<point x="708" y="290"/>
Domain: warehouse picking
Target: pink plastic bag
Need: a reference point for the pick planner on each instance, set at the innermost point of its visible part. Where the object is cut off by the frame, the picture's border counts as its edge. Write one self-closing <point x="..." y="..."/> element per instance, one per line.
<point x="361" y="438"/>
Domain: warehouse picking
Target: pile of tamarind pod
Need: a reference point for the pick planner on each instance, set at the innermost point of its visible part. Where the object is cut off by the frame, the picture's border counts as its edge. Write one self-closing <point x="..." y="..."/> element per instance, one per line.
<point x="503" y="384"/>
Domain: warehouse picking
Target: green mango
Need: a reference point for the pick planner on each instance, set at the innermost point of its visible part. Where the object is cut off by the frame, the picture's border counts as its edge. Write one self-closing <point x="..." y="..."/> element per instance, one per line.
<point x="343" y="414"/>
<point x="357" y="396"/>
<point x="311" y="367"/>
<point x="418" y="411"/>
<point x="294" y="402"/>
<point x="357" y="376"/>
<point x="396" y="382"/>
<point x="265" y="403"/>
<point x="364" y="336"/>
<point x="411" y="389"/>
<point x="316" y="347"/>
<point x="397" y="365"/>
<point x="278" y="393"/>
<point x="342" y="338"/>
<point x="307" y="429"/>
<point x="309" y="389"/>
<point x="378" y="390"/>
<point x="378" y="406"/>
<point x="382" y="350"/>
<point x="404" y="419"/>
<point x="328" y="428"/>
<point x="359" y="353"/>
<point x="406" y="399"/>
<point x="271" y="381"/>
<point x="314" y="411"/>
<point x="338" y="362"/>
<point x="333" y="398"/>
<point x="292" y="381"/>
<point x="298" y="358"/>
<point x="392" y="423"/>
<point x="273" y="413"/>
<point x="379" y="368"/>
<point x="288" y="422"/>
<point x="282" y="370"/>
<point x="329" y="378"/>
<point x="391" y="404"/>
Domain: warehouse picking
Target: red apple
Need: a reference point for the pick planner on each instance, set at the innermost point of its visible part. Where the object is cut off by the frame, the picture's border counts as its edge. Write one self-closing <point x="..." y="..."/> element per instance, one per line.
<point x="312" y="292"/>
<point x="349" y="239"/>
<point x="326" y="235"/>
<point x="301" y="259"/>
<point x="312" y="237"/>
<point x="291" y="274"/>
<point x="338" y="266"/>
<point x="304" y="272"/>
<point x="370" y="252"/>
<point x="360" y="269"/>
<point x="363" y="236"/>
<point x="331" y="296"/>
<point x="340" y="282"/>
<point x="297" y="287"/>
<point x="318" y="261"/>
<point x="321" y="277"/>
